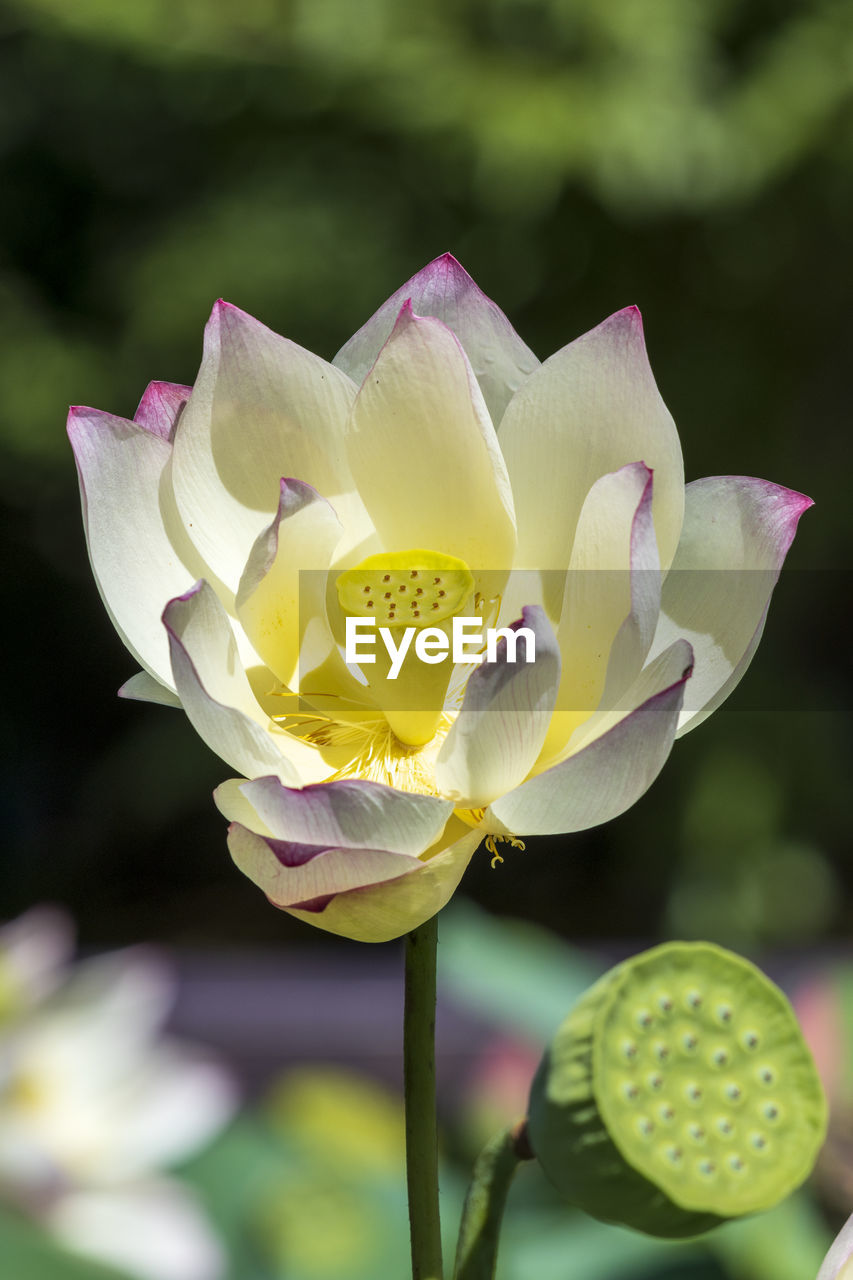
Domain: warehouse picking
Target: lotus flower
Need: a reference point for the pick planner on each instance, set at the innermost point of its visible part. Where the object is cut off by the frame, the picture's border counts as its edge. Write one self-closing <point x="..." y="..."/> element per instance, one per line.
<point x="234" y="527"/>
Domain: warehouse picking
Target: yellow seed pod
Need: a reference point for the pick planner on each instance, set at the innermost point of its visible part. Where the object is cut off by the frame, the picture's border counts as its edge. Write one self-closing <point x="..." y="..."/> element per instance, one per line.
<point x="406" y="588"/>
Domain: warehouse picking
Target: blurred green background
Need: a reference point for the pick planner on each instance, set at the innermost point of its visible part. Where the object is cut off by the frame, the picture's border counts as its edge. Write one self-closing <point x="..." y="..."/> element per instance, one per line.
<point x="303" y="158"/>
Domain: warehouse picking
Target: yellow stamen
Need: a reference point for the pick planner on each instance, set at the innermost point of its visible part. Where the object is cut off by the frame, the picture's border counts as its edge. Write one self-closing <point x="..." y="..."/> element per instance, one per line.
<point x="493" y="841"/>
<point x="378" y="755"/>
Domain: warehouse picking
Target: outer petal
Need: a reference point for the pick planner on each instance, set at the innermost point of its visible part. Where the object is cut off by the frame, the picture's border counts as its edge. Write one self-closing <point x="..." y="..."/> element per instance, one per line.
<point x="349" y="814"/>
<point x="588" y="410"/>
<point x="160" y="408"/>
<point x="423" y="450"/>
<point x="291" y="874"/>
<point x="737" y="532"/>
<point x="122" y="469"/>
<point x="262" y="407"/>
<point x="605" y="778"/>
<point x="443" y="289"/>
<point x="501" y="726"/>
<point x="144" y="688"/>
<point x="838" y="1263"/>
<point x="217" y="698"/>
<point x="381" y="912"/>
<point x="329" y="839"/>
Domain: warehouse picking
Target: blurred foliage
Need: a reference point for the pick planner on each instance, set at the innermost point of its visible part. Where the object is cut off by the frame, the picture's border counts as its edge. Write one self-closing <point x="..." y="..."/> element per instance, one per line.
<point x="321" y="1191"/>
<point x="302" y="158"/>
<point x="308" y="1183"/>
<point x="666" y="102"/>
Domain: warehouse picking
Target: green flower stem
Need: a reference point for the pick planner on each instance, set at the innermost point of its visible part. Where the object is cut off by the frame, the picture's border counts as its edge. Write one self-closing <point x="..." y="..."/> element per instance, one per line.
<point x="419" y="1084"/>
<point x="477" y="1248"/>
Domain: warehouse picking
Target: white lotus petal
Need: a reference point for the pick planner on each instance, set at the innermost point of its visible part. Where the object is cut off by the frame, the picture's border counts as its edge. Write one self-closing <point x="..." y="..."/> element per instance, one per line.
<point x="610" y="602"/>
<point x="290" y="873"/>
<point x="144" y="688"/>
<point x="262" y="408"/>
<point x="590" y="409"/>
<point x="424" y="453"/>
<point x="737" y="532"/>
<point x="443" y="289"/>
<point x="218" y="699"/>
<point x="160" y="407"/>
<point x="503" y="720"/>
<point x="135" y="556"/>
<point x="378" y="913"/>
<point x="282" y="590"/>
<point x="604" y="779"/>
<point x="348" y="814"/>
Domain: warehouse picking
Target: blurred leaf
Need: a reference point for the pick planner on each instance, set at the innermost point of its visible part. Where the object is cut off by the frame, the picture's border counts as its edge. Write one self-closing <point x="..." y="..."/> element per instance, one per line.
<point x="741" y="881"/>
<point x="788" y="1243"/>
<point x="553" y="1247"/>
<point x="642" y="99"/>
<point x="341" y="1119"/>
<point x="232" y="1176"/>
<point x="519" y="976"/>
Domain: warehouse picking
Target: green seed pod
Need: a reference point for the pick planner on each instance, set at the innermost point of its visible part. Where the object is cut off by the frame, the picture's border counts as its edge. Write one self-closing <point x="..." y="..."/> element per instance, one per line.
<point x="677" y="1093"/>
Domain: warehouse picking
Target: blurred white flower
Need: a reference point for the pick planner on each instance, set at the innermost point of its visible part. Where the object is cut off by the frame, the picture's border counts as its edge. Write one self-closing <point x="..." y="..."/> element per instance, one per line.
<point x="35" y="951"/>
<point x="95" y="1102"/>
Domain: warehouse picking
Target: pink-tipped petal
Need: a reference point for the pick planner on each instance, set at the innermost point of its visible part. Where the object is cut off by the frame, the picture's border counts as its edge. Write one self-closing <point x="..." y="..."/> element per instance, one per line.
<point x="261" y="408"/>
<point x="160" y="407"/>
<point x="605" y="778"/>
<point x="290" y="874"/>
<point x="423" y="450"/>
<point x="590" y="409"/>
<point x="503" y="720"/>
<point x="348" y="814"/>
<point x="136" y="556"/>
<point x="500" y="360"/>
<point x="737" y="531"/>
